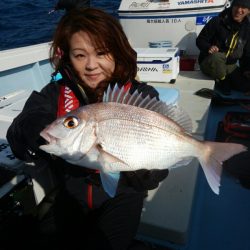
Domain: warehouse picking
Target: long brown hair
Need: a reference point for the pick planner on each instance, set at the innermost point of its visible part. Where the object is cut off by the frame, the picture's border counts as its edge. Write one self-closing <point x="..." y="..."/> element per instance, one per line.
<point x="106" y="33"/>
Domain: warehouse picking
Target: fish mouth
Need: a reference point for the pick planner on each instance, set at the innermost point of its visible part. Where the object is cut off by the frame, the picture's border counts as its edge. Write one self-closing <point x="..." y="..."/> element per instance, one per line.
<point x="49" y="139"/>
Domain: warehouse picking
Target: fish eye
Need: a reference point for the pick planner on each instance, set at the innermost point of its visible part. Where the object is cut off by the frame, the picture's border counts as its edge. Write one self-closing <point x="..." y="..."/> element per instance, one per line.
<point x="71" y="122"/>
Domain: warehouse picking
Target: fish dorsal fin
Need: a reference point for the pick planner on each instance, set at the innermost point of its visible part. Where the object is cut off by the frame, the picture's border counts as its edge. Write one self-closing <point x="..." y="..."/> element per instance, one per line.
<point x="172" y="111"/>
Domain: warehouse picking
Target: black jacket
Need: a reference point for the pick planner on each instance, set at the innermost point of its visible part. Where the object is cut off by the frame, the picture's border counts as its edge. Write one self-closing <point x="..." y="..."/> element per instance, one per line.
<point x="41" y="109"/>
<point x="219" y="31"/>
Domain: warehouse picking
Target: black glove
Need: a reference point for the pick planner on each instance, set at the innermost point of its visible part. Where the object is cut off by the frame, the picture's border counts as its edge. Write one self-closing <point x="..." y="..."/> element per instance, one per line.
<point x="23" y="134"/>
<point x="142" y="180"/>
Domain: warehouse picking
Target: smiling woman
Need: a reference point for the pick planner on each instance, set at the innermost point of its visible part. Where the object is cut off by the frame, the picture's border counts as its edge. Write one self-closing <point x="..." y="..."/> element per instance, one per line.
<point x="93" y="65"/>
<point x="89" y="52"/>
<point x="103" y="57"/>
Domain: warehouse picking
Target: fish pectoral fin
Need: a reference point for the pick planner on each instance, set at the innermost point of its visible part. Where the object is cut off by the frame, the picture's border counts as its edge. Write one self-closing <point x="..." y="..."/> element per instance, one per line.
<point x="110" y="182"/>
<point x="111" y="163"/>
<point x="110" y="172"/>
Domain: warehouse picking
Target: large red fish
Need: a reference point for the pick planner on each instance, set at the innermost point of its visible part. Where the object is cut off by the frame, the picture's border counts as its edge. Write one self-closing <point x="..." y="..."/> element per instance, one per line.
<point x="127" y="133"/>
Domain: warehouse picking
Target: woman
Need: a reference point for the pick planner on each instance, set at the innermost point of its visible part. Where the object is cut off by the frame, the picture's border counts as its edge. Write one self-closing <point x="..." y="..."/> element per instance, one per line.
<point x="89" y="51"/>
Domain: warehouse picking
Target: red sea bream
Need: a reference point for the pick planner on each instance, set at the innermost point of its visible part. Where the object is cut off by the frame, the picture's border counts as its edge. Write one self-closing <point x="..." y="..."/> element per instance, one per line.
<point x="127" y="133"/>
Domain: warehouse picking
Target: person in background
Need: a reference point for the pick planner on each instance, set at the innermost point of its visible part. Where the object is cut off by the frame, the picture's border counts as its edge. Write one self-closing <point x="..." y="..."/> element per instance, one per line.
<point x="71" y="4"/>
<point x="224" y="44"/>
<point x="89" y="51"/>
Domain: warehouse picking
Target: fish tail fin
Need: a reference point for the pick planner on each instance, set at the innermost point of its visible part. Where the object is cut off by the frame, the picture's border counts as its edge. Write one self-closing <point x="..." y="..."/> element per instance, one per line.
<point x="212" y="160"/>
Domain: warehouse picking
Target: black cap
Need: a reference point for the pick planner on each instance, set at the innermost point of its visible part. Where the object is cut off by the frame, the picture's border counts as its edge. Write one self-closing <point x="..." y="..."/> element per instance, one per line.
<point x="242" y="3"/>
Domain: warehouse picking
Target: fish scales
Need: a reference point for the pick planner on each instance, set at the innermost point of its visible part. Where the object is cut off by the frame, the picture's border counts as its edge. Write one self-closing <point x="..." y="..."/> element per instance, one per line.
<point x="141" y="141"/>
<point x="116" y="110"/>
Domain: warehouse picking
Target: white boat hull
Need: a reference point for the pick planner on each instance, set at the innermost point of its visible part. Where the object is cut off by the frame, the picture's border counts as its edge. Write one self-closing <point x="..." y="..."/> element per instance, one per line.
<point x="177" y="23"/>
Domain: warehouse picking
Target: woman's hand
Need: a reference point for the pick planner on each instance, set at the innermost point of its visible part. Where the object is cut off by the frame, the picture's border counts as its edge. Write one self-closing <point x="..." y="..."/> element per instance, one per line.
<point x="213" y="49"/>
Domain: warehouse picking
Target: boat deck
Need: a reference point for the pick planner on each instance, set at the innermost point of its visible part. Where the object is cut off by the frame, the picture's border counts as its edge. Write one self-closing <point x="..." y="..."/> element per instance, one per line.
<point x="220" y="222"/>
<point x="184" y="213"/>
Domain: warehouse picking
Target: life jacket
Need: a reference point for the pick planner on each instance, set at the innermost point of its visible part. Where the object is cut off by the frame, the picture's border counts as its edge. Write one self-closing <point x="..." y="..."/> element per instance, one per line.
<point x="68" y="102"/>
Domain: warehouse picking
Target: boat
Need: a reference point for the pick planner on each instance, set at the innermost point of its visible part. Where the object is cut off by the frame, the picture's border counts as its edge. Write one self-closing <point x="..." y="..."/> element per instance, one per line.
<point x="182" y="213"/>
<point x="166" y="22"/>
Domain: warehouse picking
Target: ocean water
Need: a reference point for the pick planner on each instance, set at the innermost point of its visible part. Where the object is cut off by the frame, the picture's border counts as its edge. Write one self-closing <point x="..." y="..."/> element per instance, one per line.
<point x="27" y="22"/>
